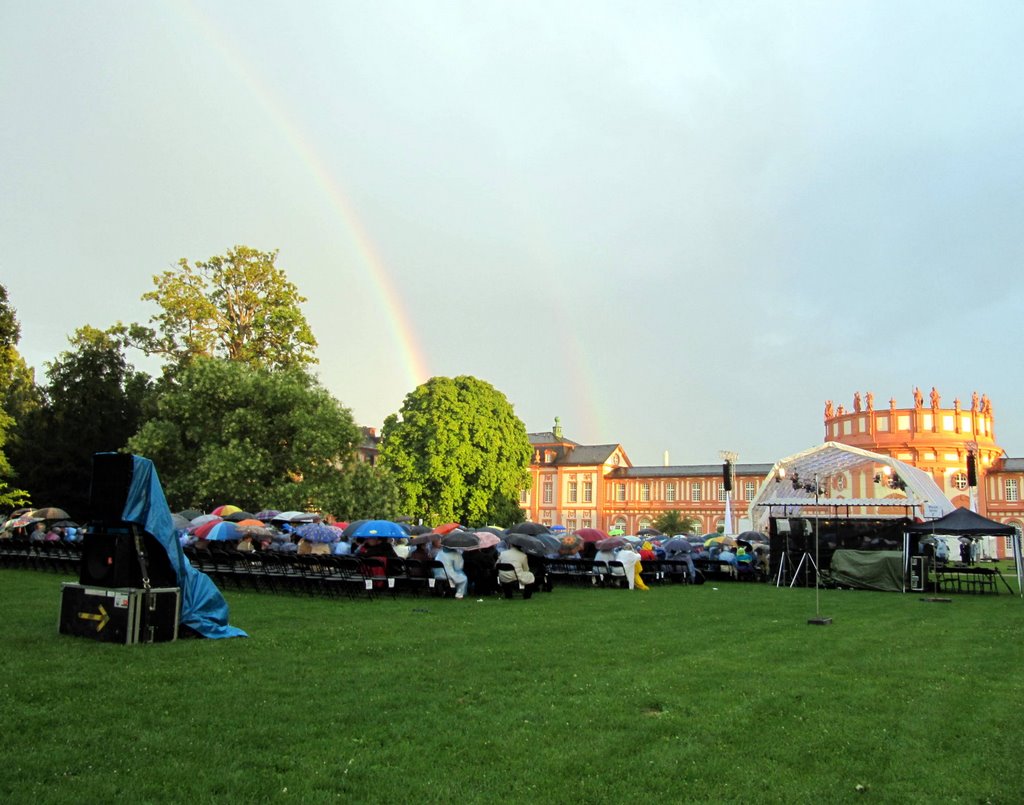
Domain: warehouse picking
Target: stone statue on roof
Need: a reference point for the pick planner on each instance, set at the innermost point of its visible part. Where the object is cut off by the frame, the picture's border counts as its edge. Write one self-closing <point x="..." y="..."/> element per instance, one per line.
<point x="974" y="402"/>
<point x="935" y="398"/>
<point x="870" y="398"/>
<point x="918" y="398"/>
<point x="856" y="401"/>
<point x="828" y="409"/>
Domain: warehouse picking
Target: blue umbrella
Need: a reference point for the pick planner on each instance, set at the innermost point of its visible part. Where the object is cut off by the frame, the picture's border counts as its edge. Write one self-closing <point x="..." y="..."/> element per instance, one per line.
<point x="224" y="531"/>
<point x="318" y="532"/>
<point x="379" y="528"/>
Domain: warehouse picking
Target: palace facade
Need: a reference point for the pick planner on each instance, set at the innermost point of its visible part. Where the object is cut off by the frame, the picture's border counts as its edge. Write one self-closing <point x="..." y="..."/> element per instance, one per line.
<point x="582" y="486"/>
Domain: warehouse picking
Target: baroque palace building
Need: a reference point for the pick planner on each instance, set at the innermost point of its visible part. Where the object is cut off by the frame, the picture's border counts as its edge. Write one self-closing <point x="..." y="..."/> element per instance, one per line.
<point x="596" y="486"/>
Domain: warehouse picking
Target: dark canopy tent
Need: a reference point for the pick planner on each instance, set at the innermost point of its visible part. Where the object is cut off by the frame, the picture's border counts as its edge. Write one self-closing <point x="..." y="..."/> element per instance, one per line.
<point x="963" y="523"/>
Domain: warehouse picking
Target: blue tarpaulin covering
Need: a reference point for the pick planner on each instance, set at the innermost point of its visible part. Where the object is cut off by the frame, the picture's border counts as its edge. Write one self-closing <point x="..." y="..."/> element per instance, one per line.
<point x="203" y="608"/>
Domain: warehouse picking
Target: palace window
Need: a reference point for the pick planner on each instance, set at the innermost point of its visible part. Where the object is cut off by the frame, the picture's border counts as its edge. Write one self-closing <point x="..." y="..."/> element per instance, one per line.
<point x="645" y="491"/>
<point x="620" y="492"/>
<point x="573" y="491"/>
<point x="588" y="491"/>
<point x="1012" y="494"/>
<point x="587" y="523"/>
<point x="960" y="480"/>
<point x="695" y="491"/>
<point x="749" y="490"/>
<point x="721" y="493"/>
<point x="570" y="525"/>
<point x="670" y="492"/>
<point x="549" y="491"/>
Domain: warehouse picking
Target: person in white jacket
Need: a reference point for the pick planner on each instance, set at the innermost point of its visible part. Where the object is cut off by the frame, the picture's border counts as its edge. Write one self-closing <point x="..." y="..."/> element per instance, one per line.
<point x="453" y="570"/>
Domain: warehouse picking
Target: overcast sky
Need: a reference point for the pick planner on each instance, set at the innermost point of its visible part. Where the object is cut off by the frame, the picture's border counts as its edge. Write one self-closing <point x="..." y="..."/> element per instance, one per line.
<point x="678" y="226"/>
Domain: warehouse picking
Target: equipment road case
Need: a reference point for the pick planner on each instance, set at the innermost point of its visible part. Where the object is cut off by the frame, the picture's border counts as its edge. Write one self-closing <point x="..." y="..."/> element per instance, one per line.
<point x="120" y="614"/>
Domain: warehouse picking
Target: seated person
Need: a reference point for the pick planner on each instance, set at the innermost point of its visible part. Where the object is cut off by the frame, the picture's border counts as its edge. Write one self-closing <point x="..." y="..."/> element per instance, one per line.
<point x="508" y="579"/>
<point x="453" y="569"/>
<point x="632" y="566"/>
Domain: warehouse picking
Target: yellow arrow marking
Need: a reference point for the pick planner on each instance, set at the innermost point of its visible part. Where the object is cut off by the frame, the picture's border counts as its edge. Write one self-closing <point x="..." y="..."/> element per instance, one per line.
<point x="101" y="617"/>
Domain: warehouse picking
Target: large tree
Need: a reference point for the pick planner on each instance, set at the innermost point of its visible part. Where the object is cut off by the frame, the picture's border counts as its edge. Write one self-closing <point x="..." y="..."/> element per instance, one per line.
<point x="92" y="402"/>
<point x="238" y="306"/>
<point x="457" y="451"/>
<point x="228" y="432"/>
<point x="16" y="389"/>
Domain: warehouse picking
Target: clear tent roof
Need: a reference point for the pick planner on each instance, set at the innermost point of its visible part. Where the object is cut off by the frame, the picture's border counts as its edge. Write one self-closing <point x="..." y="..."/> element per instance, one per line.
<point x="804" y="479"/>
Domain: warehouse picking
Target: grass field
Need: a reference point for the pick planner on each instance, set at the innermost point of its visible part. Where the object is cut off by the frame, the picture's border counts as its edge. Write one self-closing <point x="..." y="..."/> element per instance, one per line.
<point x="678" y="694"/>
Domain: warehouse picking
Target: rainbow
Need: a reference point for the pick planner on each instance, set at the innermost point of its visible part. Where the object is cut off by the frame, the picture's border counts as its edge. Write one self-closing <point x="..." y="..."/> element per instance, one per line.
<point x="396" y="316"/>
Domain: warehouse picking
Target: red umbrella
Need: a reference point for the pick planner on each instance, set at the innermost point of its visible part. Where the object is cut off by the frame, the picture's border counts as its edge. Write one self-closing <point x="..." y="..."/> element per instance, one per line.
<point x="444" y="529"/>
<point x="591" y="534"/>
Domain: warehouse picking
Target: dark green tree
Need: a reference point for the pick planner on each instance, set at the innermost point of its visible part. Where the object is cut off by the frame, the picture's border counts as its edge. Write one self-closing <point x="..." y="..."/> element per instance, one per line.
<point x="238" y="306"/>
<point x="675" y="522"/>
<point x="457" y="451"/>
<point x="229" y="432"/>
<point x="92" y="402"/>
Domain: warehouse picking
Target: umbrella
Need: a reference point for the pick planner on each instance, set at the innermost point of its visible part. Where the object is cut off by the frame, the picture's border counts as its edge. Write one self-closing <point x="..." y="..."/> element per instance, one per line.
<point x="377" y="528"/>
<point x="73" y="524"/>
<point x="248" y="522"/>
<point x="591" y="534"/>
<point x="557" y="529"/>
<point x="460" y="539"/>
<point x="50" y="513"/>
<point x="266" y="515"/>
<point x="527" y="543"/>
<point x="444" y="529"/>
<point x="570" y="544"/>
<point x="190" y="514"/>
<point x="238" y="516"/>
<point x="318" y="532"/>
<point x="202" y="519"/>
<point x="180" y="523"/>
<point x="21" y="522"/>
<point x="533" y="529"/>
<point x="649" y="532"/>
<point x="220" y="531"/>
<point x="487" y="539"/>
<point x="416" y="530"/>
<point x="677" y="545"/>
<point x="616" y="532"/>
<point x="491" y="529"/>
<point x="752" y="536"/>
<point x="423" y="539"/>
<point x="610" y="544"/>
<point x="294" y="517"/>
<point x="552" y="544"/>
<point x="225" y="510"/>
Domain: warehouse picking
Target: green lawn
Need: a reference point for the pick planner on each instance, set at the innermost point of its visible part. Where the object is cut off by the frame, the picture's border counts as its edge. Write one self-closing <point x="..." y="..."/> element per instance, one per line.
<point x="718" y="693"/>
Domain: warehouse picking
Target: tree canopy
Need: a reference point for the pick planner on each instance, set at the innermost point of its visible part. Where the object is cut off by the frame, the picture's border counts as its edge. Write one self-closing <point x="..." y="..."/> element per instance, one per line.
<point x="458" y="451"/>
<point x="15" y="378"/>
<point x="92" y="402"/>
<point x="228" y="432"/>
<point x="675" y="522"/>
<point x="238" y="306"/>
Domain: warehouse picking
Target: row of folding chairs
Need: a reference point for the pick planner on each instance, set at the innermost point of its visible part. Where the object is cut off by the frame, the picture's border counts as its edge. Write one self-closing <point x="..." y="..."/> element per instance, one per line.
<point x="56" y="556"/>
<point x="318" y="574"/>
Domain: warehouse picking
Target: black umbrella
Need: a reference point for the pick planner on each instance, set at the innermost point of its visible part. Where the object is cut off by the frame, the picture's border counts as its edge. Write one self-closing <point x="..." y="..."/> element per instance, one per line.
<point x="460" y="539"/>
<point x="532" y="529"/>
<point x="649" y="532"/>
<point x="677" y="545"/>
<point x="416" y="530"/>
<point x="237" y="517"/>
<point x="527" y="543"/>
<point x="423" y="539"/>
<point x="610" y="544"/>
<point x="351" y="528"/>
<point x="66" y="524"/>
<point x="190" y="514"/>
<point x="180" y="523"/>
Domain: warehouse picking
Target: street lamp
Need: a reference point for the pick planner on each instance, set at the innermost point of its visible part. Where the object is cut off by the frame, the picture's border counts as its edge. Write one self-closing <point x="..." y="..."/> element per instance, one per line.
<point x="729" y="457"/>
<point x="817" y="620"/>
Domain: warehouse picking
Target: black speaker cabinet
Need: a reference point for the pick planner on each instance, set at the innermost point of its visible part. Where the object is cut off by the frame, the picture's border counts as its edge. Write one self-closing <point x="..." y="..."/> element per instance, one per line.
<point x="125" y="615"/>
<point x="111" y="480"/>
<point x="110" y="559"/>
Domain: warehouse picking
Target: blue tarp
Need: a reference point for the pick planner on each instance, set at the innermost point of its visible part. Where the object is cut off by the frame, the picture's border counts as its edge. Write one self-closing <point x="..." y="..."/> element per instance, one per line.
<point x="203" y="608"/>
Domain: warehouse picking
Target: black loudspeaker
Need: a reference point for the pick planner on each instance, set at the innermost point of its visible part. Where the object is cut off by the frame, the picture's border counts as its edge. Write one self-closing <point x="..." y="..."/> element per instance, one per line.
<point x="972" y="470"/>
<point x="111" y="480"/>
<point x="110" y="559"/>
<point x="727" y="476"/>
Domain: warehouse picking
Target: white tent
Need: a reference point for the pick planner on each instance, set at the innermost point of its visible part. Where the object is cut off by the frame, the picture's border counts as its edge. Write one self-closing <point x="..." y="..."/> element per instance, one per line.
<point x="810" y="480"/>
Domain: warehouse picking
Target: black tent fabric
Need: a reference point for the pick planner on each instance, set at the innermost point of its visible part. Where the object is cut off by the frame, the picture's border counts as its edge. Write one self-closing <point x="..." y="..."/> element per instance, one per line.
<point x="963" y="523"/>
